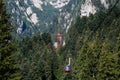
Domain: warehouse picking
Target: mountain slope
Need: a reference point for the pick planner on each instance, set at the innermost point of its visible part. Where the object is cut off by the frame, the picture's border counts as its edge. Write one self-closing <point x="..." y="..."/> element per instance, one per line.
<point x="42" y="15"/>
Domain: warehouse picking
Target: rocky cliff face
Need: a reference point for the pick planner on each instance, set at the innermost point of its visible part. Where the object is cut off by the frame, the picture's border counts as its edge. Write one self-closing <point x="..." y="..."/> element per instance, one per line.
<point x="32" y="16"/>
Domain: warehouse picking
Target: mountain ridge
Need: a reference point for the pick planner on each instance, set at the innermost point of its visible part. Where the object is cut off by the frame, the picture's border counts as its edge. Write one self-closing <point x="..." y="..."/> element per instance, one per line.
<point x="42" y="15"/>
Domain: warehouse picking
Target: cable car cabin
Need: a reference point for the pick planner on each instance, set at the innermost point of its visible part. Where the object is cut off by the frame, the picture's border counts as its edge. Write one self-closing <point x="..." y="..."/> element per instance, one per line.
<point x="67" y="69"/>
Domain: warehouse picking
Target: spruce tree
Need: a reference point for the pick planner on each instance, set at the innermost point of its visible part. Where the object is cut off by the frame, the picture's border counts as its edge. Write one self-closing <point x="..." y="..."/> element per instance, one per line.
<point x="8" y="65"/>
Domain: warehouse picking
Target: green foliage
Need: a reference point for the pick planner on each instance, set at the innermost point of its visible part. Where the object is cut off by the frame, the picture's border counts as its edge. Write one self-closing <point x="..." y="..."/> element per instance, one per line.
<point x="9" y="67"/>
<point x="93" y="43"/>
<point x="38" y="59"/>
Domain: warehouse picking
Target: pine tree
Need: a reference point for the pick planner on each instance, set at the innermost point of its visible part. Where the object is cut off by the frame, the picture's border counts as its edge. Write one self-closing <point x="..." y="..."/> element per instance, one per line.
<point x="38" y="59"/>
<point x="8" y="66"/>
<point x="96" y="47"/>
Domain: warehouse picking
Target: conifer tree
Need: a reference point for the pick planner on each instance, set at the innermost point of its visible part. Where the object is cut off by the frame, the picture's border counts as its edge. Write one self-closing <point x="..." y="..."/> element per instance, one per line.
<point x="8" y="66"/>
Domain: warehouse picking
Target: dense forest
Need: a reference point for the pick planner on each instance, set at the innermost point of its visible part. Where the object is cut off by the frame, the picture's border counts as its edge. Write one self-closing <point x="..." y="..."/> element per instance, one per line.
<point x="93" y="43"/>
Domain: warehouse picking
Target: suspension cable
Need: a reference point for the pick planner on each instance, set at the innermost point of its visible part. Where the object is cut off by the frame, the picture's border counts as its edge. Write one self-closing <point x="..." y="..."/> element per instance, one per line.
<point x="32" y="24"/>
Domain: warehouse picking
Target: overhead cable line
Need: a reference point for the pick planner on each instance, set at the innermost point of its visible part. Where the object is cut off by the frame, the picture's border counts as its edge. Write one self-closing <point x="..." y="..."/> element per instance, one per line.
<point x="20" y="11"/>
<point x="99" y="25"/>
<point x="32" y="24"/>
<point x="108" y="13"/>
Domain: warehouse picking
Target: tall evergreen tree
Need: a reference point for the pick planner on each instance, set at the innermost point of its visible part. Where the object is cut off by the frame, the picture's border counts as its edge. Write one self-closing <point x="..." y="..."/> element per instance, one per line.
<point x="38" y="59"/>
<point x="96" y="46"/>
<point x="8" y="66"/>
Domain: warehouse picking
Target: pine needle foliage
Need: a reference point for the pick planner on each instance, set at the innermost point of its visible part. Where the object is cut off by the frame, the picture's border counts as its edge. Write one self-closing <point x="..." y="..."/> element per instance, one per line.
<point x="9" y="67"/>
